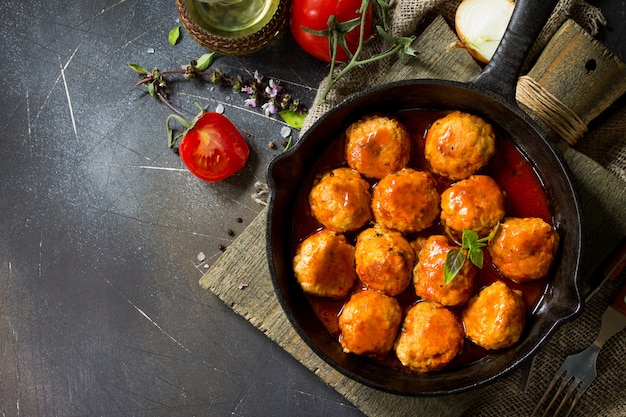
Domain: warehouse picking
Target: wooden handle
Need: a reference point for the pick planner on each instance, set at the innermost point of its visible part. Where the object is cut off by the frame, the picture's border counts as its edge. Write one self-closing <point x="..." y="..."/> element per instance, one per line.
<point x="582" y="76"/>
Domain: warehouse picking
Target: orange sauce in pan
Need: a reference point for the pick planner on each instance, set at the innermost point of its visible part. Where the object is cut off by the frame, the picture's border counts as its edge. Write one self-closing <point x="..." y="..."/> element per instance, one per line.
<point x="514" y="175"/>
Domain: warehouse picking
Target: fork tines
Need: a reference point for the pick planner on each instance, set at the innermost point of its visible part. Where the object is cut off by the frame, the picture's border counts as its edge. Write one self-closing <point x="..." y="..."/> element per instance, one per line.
<point x="569" y="392"/>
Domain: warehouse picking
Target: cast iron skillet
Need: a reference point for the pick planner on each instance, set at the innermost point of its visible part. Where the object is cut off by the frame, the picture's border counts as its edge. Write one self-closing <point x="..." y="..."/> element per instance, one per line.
<point x="490" y="95"/>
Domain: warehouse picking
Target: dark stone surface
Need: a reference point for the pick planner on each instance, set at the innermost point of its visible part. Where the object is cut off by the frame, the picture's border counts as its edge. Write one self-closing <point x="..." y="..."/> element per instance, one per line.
<point x="100" y="308"/>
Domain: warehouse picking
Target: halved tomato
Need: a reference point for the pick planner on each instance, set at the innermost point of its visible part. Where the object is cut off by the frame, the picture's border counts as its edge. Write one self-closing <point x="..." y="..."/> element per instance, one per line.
<point x="213" y="148"/>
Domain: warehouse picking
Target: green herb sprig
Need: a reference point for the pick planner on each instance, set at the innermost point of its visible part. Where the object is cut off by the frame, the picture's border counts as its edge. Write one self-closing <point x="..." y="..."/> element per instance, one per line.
<point x="264" y="93"/>
<point x="456" y="258"/>
<point x="399" y="46"/>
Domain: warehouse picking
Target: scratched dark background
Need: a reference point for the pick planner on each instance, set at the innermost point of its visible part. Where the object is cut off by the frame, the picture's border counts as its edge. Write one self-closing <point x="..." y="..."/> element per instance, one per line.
<point x="101" y="226"/>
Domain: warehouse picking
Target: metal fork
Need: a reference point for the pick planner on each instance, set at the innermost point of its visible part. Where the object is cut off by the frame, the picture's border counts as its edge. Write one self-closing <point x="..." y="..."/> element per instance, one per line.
<point x="579" y="370"/>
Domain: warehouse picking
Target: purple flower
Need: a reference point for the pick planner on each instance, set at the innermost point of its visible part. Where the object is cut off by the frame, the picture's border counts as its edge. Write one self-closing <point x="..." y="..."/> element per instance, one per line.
<point x="269" y="108"/>
<point x="258" y="77"/>
<point x="250" y="102"/>
<point x="273" y="89"/>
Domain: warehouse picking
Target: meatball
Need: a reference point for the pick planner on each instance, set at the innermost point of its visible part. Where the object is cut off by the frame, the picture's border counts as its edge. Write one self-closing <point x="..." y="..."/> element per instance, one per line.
<point x="377" y="145"/>
<point x="384" y="260"/>
<point x="340" y="200"/>
<point x="428" y="277"/>
<point x="406" y="201"/>
<point x="476" y="203"/>
<point x="324" y="264"/>
<point x="523" y="249"/>
<point x="495" y="317"/>
<point x="459" y="144"/>
<point x="369" y="323"/>
<point x="430" y="337"/>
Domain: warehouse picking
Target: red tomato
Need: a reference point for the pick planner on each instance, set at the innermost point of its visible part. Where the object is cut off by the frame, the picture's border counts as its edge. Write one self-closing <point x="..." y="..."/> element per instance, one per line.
<point x="213" y="148"/>
<point x="314" y="14"/>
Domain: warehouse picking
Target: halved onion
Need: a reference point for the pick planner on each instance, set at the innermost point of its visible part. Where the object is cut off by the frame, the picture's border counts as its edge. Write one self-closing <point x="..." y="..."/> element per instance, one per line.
<point x="480" y="25"/>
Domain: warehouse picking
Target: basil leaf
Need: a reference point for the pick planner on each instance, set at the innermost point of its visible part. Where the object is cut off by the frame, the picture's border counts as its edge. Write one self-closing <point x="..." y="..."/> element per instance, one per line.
<point x="469" y="238"/>
<point x="455" y="259"/>
<point x="174" y="35"/>
<point x="476" y="256"/>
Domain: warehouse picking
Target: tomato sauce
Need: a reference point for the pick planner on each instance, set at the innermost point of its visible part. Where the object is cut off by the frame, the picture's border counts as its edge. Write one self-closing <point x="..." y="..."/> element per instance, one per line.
<point x="513" y="173"/>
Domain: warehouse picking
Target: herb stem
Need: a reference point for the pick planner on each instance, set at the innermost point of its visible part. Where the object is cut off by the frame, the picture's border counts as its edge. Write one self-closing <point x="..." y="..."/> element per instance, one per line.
<point x="399" y="46"/>
<point x="141" y="82"/>
<point x="168" y="104"/>
<point x="269" y="96"/>
<point x="353" y="63"/>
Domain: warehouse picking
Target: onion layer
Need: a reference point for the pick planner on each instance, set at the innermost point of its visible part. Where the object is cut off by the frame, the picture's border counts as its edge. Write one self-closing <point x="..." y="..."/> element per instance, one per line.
<point x="480" y="25"/>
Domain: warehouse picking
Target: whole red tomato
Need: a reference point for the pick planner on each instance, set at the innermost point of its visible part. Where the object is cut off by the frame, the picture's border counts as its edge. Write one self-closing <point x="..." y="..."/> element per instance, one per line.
<point x="314" y="14"/>
<point x="213" y="149"/>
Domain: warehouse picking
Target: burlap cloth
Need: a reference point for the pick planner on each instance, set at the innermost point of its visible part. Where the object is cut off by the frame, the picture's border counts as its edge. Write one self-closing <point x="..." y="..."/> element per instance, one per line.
<point x="599" y="166"/>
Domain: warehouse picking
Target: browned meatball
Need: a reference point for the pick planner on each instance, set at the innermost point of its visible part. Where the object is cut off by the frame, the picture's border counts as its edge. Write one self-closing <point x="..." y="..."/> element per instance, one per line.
<point x="384" y="260"/>
<point x="523" y="249"/>
<point x="495" y="317"/>
<point x="324" y="264"/>
<point x="369" y="323"/>
<point x="341" y="200"/>
<point x="428" y="277"/>
<point x="406" y="201"/>
<point x="476" y="203"/>
<point x="430" y="337"/>
<point x="377" y="145"/>
<point x="459" y="144"/>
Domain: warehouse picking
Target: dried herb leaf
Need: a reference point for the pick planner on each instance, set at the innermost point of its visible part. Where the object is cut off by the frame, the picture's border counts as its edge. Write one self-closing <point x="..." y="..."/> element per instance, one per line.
<point x="292" y="118"/>
<point x="204" y="61"/>
<point x="152" y="90"/>
<point x="138" y="69"/>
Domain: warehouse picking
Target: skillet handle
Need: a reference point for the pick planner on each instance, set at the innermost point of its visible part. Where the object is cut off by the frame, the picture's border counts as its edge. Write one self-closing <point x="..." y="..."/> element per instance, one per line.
<point x="500" y="75"/>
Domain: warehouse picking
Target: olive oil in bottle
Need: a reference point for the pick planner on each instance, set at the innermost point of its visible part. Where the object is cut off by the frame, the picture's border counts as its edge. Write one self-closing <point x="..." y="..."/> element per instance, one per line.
<point x="233" y="15"/>
<point x="234" y="27"/>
